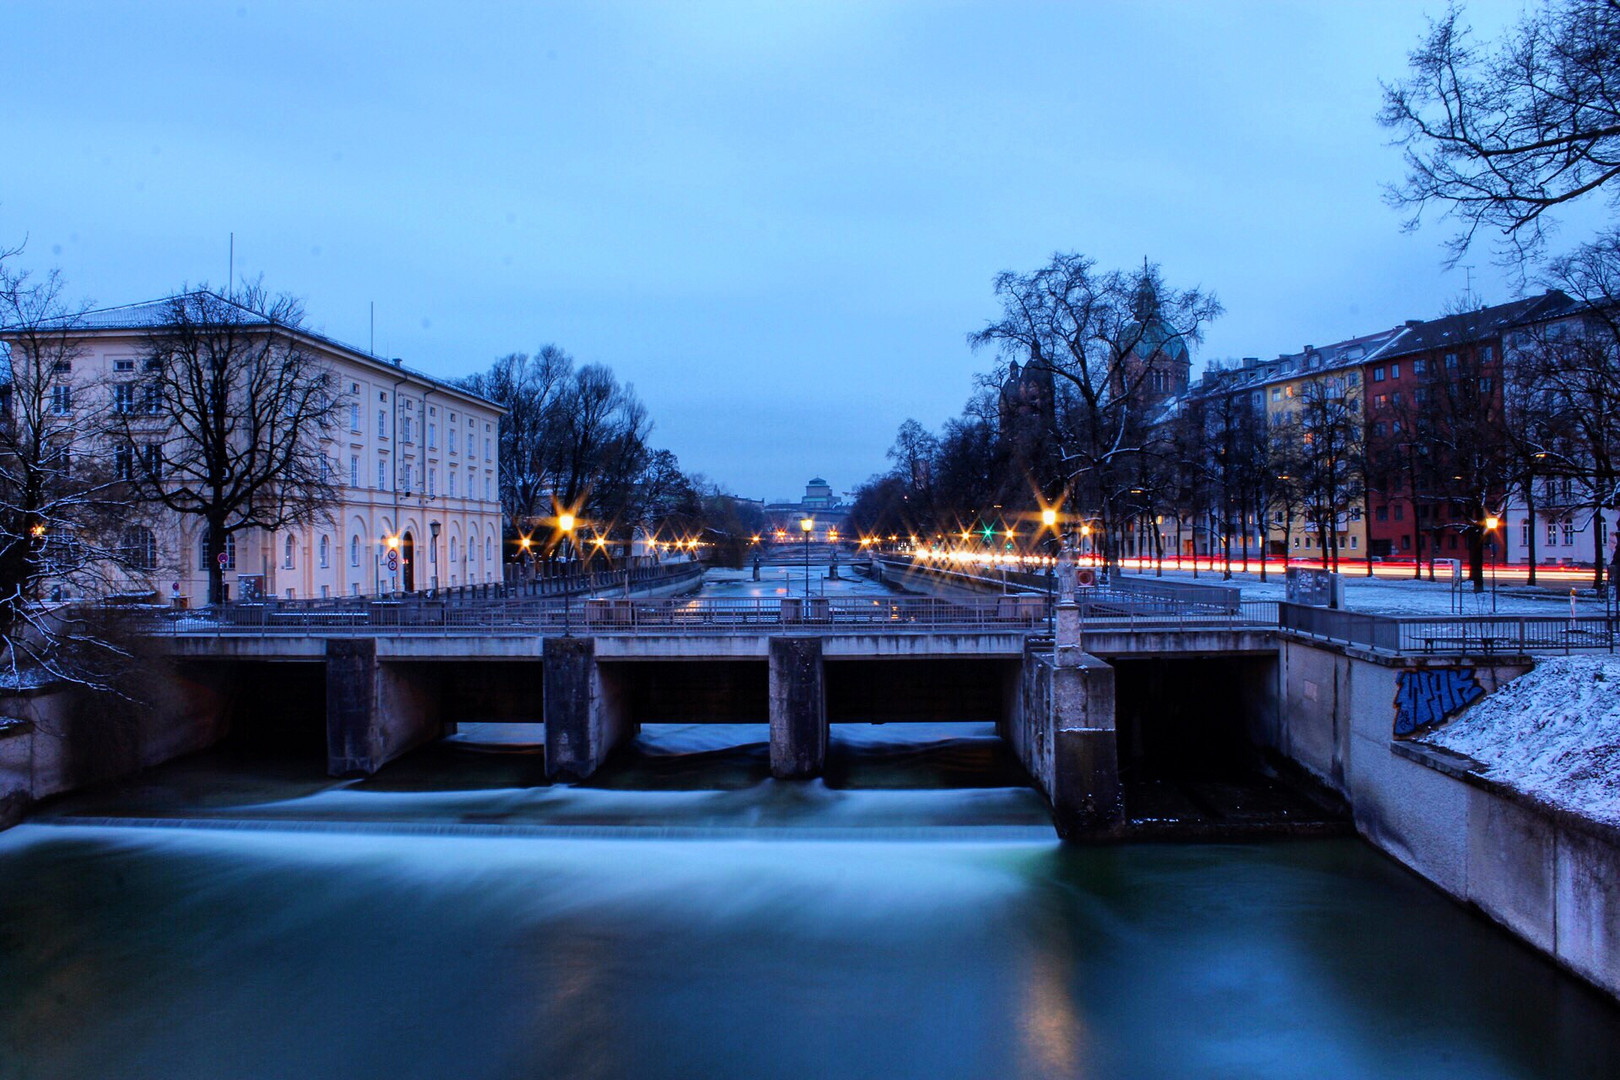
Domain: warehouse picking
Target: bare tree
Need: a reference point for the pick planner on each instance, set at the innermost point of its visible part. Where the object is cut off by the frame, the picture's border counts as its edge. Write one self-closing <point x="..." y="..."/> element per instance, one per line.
<point x="1499" y="134"/>
<point x="66" y="524"/>
<point x="1102" y="337"/>
<point x="239" y="408"/>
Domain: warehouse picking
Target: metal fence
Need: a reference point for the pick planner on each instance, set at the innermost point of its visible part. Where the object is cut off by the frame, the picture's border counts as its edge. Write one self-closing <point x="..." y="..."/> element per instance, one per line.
<point x="1453" y="634"/>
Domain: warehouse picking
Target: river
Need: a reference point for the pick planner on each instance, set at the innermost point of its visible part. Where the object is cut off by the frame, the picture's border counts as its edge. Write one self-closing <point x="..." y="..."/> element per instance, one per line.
<point x="685" y="916"/>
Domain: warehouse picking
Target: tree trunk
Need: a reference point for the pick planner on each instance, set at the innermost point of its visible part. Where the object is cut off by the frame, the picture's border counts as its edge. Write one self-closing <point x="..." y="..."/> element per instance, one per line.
<point x="1530" y="529"/>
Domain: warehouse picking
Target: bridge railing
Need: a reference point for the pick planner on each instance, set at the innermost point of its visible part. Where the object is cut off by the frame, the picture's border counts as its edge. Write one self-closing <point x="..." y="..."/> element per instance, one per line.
<point x="630" y="615"/>
<point x="1453" y="634"/>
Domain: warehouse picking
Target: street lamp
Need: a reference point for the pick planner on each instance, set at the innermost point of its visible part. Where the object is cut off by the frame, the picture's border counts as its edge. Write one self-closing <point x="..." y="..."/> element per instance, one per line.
<point x="807" y="525"/>
<point x="1491" y="523"/>
<point x="565" y="522"/>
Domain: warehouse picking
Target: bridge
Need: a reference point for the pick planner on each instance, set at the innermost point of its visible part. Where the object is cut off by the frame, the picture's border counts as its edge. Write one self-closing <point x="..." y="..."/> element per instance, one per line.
<point x="1057" y="679"/>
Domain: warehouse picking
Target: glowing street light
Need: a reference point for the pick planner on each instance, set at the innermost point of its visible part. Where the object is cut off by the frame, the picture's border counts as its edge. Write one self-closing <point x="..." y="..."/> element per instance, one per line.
<point x="1491" y="524"/>
<point x="565" y="522"/>
<point x="807" y="525"/>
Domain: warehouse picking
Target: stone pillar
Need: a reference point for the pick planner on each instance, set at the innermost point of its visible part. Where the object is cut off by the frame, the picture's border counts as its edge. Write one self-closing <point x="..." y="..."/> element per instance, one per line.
<point x="1085" y="790"/>
<point x="375" y="711"/>
<point x="585" y="713"/>
<point x="798" y="697"/>
<point x="1060" y="724"/>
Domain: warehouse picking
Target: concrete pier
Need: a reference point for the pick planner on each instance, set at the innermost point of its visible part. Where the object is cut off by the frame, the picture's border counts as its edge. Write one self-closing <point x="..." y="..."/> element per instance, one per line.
<point x="798" y="703"/>
<point x="584" y="708"/>
<point x="1061" y="726"/>
<point x="375" y="711"/>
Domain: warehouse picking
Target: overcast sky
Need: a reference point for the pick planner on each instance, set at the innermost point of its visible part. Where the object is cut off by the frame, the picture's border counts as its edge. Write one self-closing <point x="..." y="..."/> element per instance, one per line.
<point x="777" y="221"/>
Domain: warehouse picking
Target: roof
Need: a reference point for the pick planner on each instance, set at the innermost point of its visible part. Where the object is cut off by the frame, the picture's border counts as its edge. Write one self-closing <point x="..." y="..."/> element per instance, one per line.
<point x="150" y="314"/>
<point x="1312" y="360"/>
<point x="1422" y="336"/>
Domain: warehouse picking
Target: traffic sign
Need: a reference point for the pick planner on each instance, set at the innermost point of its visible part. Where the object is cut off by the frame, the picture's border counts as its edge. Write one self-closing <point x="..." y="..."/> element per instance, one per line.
<point x="223" y="560"/>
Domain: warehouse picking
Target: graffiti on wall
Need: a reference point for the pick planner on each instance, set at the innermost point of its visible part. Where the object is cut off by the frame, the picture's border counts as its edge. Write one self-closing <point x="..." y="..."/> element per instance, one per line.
<point x="1425" y="697"/>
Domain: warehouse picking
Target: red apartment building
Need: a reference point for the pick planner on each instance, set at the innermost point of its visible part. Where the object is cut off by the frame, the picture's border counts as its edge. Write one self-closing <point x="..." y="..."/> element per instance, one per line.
<point x="1439" y="373"/>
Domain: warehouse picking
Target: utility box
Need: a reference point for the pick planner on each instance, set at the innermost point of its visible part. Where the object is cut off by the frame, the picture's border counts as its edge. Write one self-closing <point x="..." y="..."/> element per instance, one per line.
<point x="1314" y="588"/>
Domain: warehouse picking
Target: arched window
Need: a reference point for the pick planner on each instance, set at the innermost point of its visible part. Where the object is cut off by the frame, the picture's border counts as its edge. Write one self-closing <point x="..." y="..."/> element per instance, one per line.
<point x="489" y="549"/>
<point x="202" y="551"/>
<point x="287" y="552"/>
<point x="354" y="551"/>
<point x="452" y="550"/>
<point x="138" y="548"/>
<point x="326" y="551"/>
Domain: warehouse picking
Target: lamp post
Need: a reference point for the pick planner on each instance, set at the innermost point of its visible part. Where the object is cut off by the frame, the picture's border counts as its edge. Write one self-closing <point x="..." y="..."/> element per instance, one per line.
<point x="807" y="525"/>
<point x="1049" y="521"/>
<point x="1491" y="524"/>
<point x="565" y="522"/>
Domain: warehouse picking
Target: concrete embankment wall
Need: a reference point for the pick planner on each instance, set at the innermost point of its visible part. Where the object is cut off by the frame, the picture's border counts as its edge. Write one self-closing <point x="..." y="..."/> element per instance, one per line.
<point x="62" y="737"/>
<point x="1548" y="876"/>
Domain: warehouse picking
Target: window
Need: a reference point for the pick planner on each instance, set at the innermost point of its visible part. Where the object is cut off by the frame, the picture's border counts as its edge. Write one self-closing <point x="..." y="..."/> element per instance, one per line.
<point x="382" y="476"/>
<point x="1486" y="353"/>
<point x="489" y="549"/>
<point x="405" y="430"/>
<point x="152" y="398"/>
<point x="138" y="547"/>
<point x="124" y="462"/>
<point x="1381" y="513"/>
<point x="124" y="365"/>
<point x="1418" y="366"/>
<point x="452" y="479"/>
<point x="1378" y="374"/>
<point x="288" y="548"/>
<point x="354" y="470"/>
<point x="452" y="551"/>
<point x="1395" y="399"/>
<point x="1524" y="532"/>
<point x="432" y="476"/>
<point x="405" y="479"/>
<point x="354" y="551"/>
<point x="1381" y="400"/>
<point x="1276" y="393"/>
<point x="1354" y="542"/>
<point x="1400" y="512"/>
<point x="452" y="439"/>
<point x="1569" y="533"/>
<point x="1485" y="385"/>
<point x="61" y="400"/>
<point x="1395" y="371"/>
<point x="326" y="552"/>
<point x="1552" y="533"/>
<point x="1451" y="362"/>
<point x="433" y="436"/>
<point x="488" y="485"/>
<point x="487" y="453"/>
<point x="382" y="423"/>
<point x="1421" y="395"/>
<point x="152" y="460"/>
<point x="230" y="551"/>
<point x="62" y="367"/>
<point x="354" y="418"/>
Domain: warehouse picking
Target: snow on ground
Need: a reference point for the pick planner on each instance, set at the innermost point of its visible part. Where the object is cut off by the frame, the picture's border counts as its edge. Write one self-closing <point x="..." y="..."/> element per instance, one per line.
<point x="1406" y="596"/>
<point x="1553" y="733"/>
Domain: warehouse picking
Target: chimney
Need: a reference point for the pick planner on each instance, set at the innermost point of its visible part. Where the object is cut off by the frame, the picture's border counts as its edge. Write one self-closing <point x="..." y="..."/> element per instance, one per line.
<point x="398" y="362"/>
<point x="1414" y="322"/>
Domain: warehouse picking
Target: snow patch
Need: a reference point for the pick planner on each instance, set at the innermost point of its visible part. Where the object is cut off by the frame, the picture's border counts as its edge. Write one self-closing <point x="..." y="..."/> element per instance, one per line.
<point x="1552" y="733"/>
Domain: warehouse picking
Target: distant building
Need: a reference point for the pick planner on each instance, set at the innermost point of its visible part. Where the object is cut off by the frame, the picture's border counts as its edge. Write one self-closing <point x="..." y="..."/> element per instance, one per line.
<point x="820" y="503"/>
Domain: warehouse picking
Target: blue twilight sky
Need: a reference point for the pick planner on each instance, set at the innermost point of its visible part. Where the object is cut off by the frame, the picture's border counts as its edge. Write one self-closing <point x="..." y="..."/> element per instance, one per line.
<point x="778" y="221"/>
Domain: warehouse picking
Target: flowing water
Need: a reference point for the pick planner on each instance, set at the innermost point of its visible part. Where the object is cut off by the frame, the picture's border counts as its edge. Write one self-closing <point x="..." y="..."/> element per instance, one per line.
<point x="685" y="916"/>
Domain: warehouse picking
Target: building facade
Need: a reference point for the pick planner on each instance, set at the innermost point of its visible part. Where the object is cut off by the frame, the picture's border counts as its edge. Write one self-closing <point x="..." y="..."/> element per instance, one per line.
<point x="414" y="460"/>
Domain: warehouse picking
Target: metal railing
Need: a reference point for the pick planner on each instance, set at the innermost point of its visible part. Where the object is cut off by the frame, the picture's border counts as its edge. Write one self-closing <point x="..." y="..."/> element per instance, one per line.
<point x="1447" y="634"/>
<point x="631" y="615"/>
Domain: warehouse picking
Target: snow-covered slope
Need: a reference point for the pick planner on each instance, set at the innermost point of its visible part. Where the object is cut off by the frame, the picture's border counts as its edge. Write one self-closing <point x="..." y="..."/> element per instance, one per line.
<point x="1553" y="733"/>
